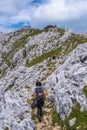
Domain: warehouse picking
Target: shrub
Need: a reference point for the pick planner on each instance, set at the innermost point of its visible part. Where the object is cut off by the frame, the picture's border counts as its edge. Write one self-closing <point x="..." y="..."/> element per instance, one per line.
<point x="85" y="90"/>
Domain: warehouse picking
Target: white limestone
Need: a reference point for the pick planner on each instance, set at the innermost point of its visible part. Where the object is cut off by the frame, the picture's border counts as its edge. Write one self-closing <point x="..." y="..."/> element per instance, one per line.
<point x="18" y="83"/>
<point x="72" y="77"/>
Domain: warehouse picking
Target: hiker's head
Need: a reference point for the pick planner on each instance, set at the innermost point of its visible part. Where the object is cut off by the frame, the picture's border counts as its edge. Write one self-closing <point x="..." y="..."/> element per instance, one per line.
<point x="38" y="83"/>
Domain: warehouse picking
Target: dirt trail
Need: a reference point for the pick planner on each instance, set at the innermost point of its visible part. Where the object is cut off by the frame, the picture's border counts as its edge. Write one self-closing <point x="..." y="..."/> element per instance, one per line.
<point x="46" y="123"/>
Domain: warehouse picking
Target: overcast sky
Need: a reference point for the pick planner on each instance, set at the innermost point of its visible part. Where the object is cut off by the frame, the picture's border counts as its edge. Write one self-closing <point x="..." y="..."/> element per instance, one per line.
<point x="15" y="14"/>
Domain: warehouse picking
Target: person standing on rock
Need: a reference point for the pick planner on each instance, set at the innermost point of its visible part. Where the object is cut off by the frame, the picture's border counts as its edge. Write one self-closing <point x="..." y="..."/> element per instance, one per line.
<point x="40" y="97"/>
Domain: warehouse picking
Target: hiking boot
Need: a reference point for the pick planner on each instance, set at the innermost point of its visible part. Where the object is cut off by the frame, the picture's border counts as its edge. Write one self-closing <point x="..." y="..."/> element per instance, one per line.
<point x="39" y="118"/>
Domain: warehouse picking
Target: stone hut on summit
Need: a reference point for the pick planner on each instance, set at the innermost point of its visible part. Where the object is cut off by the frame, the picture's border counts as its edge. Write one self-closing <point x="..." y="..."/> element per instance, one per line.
<point x="50" y="27"/>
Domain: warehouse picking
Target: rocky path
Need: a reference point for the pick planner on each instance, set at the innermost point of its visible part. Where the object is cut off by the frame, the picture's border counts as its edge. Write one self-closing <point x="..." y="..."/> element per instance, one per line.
<point x="47" y="123"/>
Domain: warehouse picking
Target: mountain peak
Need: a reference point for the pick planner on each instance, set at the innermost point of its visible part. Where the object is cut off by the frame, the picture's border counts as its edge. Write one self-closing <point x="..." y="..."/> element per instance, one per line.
<point x="26" y="55"/>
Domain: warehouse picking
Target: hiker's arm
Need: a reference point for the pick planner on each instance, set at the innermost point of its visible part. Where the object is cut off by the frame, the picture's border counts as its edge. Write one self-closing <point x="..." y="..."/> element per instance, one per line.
<point x="34" y="95"/>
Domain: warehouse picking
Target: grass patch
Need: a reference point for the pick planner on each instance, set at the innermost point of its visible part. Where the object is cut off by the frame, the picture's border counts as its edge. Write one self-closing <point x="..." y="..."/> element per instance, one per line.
<point x="80" y="123"/>
<point x="9" y="87"/>
<point x="42" y="57"/>
<point x="85" y="90"/>
<point x="33" y="116"/>
<point x="6" y="128"/>
<point x="24" y="54"/>
<point x="55" y="117"/>
<point x="6" y="60"/>
<point x="48" y="104"/>
<point x="32" y="47"/>
<point x="26" y="111"/>
<point x="29" y="100"/>
<point x="28" y="88"/>
<point x="72" y="42"/>
<point x="50" y="70"/>
<point x="20" y="43"/>
<point x="2" y="73"/>
<point x="51" y="64"/>
<point x="61" y="31"/>
<point x="81" y="119"/>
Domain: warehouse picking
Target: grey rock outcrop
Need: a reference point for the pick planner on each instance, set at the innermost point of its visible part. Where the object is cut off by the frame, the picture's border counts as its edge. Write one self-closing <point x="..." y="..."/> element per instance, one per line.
<point x="17" y="58"/>
<point x="17" y="80"/>
<point x="72" y="76"/>
<point x="72" y="122"/>
<point x="15" y="113"/>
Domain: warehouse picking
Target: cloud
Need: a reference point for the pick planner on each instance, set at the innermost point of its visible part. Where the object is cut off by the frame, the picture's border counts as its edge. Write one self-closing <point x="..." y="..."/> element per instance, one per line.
<point x="10" y="10"/>
<point x="58" y="10"/>
<point x="61" y="12"/>
<point x="39" y="13"/>
<point x="12" y="7"/>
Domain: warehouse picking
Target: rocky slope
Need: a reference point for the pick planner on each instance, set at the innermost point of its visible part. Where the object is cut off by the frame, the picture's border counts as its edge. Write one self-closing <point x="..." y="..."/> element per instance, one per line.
<point x="25" y="56"/>
<point x="72" y="75"/>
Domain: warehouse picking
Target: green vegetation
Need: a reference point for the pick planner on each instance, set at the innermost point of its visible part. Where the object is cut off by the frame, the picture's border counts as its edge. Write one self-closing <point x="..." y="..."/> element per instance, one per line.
<point x="81" y="119"/>
<point x="77" y="38"/>
<point x="29" y="100"/>
<point x="7" y="61"/>
<point x="15" y="78"/>
<point x="85" y="90"/>
<point x="53" y="114"/>
<point x="55" y="118"/>
<point x="24" y="54"/>
<point x="2" y="73"/>
<point x="6" y="128"/>
<point x="72" y="42"/>
<point x="9" y="87"/>
<point x="43" y="57"/>
<point x="80" y="123"/>
<point x="48" y="104"/>
<point x="32" y="47"/>
<point x="26" y="111"/>
<point x="23" y="40"/>
<point x="28" y="88"/>
<point x="51" y="64"/>
<point x="66" y="47"/>
<point x="4" y="43"/>
<point x="20" y="43"/>
<point x="61" y="31"/>
<point x="33" y="116"/>
<point x="49" y="72"/>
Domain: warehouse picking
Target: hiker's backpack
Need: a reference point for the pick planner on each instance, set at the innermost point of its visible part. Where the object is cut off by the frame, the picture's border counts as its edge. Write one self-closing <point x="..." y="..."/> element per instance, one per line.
<point x="34" y="104"/>
<point x="39" y="93"/>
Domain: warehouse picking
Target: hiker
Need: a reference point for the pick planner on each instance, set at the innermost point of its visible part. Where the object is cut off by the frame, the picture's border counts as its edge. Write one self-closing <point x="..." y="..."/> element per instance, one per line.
<point x="54" y="57"/>
<point x="40" y="96"/>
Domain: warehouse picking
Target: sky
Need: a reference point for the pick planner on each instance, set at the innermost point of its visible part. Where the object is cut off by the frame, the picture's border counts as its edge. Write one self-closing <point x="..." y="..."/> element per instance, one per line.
<point x="71" y="14"/>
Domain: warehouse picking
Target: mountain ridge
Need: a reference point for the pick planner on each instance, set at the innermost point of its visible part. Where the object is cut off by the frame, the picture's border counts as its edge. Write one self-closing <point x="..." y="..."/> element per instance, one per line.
<point x="27" y="55"/>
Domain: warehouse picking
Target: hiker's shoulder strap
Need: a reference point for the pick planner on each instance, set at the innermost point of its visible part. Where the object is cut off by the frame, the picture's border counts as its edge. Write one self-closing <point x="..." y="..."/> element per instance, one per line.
<point x="38" y="89"/>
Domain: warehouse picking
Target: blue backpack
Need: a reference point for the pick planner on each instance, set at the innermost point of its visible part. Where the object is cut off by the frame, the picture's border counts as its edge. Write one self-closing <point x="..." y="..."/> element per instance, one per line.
<point x="39" y="96"/>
